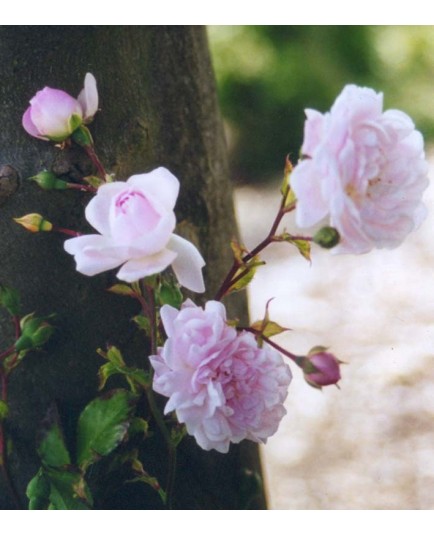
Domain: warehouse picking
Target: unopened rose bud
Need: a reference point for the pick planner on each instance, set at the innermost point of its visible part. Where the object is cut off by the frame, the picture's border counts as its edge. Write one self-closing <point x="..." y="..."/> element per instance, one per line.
<point x="35" y="332"/>
<point x="54" y="115"/>
<point x="49" y="181"/>
<point x="34" y="223"/>
<point x="327" y="237"/>
<point x="320" y="368"/>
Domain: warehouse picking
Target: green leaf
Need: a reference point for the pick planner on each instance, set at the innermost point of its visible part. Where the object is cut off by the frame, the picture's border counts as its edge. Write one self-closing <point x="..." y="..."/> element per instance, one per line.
<point x="68" y="490"/>
<point x="51" y="447"/>
<point x="10" y="300"/>
<point x="104" y="373"/>
<point x="268" y="328"/>
<point x="103" y="424"/>
<point x="38" y="491"/>
<point x="143" y="323"/>
<point x="138" y="426"/>
<point x="96" y="182"/>
<point x="247" y="272"/>
<point x="122" y="290"/>
<point x="303" y="246"/>
<point x="170" y="294"/>
<point x="238" y="250"/>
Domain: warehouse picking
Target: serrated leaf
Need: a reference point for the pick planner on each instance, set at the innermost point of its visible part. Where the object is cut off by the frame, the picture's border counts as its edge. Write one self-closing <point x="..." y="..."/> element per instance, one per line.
<point x="249" y="272"/>
<point x="51" y="445"/>
<point x="122" y="290"/>
<point x="103" y="424"/>
<point x="144" y="476"/>
<point x="269" y="328"/>
<point x="38" y="491"/>
<point x="68" y="491"/>
<point x="113" y="355"/>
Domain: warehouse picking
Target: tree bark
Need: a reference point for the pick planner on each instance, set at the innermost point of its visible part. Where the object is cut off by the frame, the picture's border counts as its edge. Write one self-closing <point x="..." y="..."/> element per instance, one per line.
<point x="158" y="107"/>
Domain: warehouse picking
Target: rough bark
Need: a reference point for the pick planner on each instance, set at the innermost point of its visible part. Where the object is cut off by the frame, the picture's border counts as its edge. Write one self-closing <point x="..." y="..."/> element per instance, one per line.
<point x="158" y="107"/>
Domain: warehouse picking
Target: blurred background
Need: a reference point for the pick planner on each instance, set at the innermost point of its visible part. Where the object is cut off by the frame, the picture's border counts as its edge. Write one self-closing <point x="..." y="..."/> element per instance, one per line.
<point x="369" y="445"/>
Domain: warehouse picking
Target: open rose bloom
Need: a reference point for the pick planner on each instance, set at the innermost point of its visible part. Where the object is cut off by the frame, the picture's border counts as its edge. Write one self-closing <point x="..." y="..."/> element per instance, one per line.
<point x="221" y="385"/>
<point x="364" y="169"/>
<point x="54" y="115"/>
<point x="136" y="220"/>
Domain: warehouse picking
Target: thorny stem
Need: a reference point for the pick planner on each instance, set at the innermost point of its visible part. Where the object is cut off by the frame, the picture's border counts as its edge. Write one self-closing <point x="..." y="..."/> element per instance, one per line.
<point x="229" y="279"/>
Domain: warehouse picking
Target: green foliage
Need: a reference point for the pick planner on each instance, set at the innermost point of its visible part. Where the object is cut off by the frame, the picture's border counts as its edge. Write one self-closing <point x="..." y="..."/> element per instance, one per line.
<point x="10" y="300"/>
<point x="103" y="424"/>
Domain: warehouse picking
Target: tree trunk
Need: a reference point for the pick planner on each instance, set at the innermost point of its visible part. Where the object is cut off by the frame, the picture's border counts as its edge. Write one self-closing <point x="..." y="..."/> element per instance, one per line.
<point x="158" y="107"/>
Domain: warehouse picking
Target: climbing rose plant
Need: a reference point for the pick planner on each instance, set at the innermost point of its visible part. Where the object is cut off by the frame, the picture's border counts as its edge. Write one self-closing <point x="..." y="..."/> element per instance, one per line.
<point x="361" y="176"/>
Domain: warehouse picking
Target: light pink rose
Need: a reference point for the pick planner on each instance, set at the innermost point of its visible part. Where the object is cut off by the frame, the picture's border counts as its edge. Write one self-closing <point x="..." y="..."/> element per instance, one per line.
<point x="221" y="385"/>
<point x="136" y="220"/>
<point x="364" y="169"/>
<point x="54" y="115"/>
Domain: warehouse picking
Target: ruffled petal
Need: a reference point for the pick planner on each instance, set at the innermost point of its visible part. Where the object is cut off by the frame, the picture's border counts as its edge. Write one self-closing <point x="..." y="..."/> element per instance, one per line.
<point x="188" y="264"/>
<point x="135" y="269"/>
<point x="97" y="211"/>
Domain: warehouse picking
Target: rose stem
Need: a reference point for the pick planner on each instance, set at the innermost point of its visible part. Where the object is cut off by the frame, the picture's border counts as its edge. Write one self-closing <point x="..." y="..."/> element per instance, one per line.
<point x="228" y="281"/>
<point x="90" y="151"/>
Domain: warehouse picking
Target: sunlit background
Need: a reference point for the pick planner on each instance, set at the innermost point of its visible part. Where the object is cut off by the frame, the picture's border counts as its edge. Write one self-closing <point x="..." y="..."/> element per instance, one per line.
<point x="371" y="444"/>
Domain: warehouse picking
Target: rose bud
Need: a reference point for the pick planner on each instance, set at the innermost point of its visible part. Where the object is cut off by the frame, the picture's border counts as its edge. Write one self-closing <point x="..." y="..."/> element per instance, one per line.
<point x="35" y="332"/>
<point x="34" y="223"/>
<point x="320" y="368"/>
<point x="54" y="115"/>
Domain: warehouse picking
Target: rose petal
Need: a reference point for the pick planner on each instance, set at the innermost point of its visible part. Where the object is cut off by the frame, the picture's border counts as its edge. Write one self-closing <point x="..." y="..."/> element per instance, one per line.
<point x="97" y="211"/>
<point x="160" y="183"/>
<point x="311" y="207"/>
<point x="51" y="112"/>
<point x="135" y="269"/>
<point x="88" y="98"/>
<point x="29" y="126"/>
<point x="188" y="264"/>
<point x="92" y="255"/>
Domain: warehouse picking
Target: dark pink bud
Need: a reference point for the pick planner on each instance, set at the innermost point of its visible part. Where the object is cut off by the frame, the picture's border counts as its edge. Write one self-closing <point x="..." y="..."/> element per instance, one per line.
<point x="320" y="368"/>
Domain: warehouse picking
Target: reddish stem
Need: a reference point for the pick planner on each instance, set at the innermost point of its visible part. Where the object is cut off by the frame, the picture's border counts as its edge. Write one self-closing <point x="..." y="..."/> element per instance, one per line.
<point x="68" y="232"/>
<point x="229" y="279"/>
<point x="7" y="352"/>
<point x="81" y="187"/>
<point x="96" y="161"/>
<point x="257" y="334"/>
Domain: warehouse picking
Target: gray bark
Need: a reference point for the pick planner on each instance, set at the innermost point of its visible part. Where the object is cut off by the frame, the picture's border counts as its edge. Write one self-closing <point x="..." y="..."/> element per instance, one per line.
<point x="158" y="107"/>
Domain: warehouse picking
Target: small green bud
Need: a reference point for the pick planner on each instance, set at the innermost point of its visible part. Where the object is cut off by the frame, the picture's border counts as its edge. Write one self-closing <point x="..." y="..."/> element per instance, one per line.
<point x="327" y="237"/>
<point x="49" y="181"/>
<point x="34" y="223"/>
<point x="35" y="332"/>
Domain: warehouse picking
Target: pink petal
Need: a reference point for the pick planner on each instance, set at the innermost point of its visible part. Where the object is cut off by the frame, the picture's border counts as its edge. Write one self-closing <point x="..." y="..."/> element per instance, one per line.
<point x="168" y="315"/>
<point x="188" y="264"/>
<point x="97" y="211"/>
<point x="160" y="183"/>
<point x="135" y="269"/>
<point x="93" y="254"/>
<point x="88" y="97"/>
<point x="52" y="110"/>
<point x="29" y="126"/>
<point x="311" y="207"/>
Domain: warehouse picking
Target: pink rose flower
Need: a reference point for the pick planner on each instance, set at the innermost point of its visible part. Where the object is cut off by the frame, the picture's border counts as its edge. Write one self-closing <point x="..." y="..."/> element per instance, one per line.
<point x="365" y="170"/>
<point x="136" y="220"/>
<point x="221" y="385"/>
<point x="54" y="115"/>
